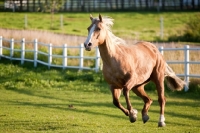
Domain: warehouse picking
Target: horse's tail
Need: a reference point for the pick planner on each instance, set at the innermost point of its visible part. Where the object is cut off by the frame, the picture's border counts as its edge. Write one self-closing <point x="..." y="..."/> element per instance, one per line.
<point x="173" y="82"/>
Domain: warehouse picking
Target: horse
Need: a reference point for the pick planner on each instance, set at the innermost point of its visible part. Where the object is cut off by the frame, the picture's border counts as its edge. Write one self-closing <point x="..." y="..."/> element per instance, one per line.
<point x="131" y="67"/>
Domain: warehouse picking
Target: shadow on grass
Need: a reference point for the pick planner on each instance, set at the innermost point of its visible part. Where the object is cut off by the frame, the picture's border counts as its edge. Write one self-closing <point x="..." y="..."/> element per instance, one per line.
<point x="50" y="75"/>
<point x="78" y="104"/>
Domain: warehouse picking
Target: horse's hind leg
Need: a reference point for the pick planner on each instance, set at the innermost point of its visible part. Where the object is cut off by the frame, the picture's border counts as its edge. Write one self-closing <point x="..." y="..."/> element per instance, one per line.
<point x="139" y="91"/>
<point x="162" y="101"/>
<point x="158" y="79"/>
<point x="116" y="92"/>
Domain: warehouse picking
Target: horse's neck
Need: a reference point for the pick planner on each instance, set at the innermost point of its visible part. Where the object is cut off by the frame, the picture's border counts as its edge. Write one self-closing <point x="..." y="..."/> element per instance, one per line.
<point x="108" y="53"/>
<point x="110" y="50"/>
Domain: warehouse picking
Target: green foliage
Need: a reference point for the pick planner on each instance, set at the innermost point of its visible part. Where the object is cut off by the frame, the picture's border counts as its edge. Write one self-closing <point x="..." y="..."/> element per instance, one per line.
<point x="150" y="87"/>
<point x="191" y="32"/>
<point x="53" y="5"/>
<point x="194" y="87"/>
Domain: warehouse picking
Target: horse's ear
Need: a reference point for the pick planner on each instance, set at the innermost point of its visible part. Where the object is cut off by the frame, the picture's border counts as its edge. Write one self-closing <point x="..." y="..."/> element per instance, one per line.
<point x="91" y="17"/>
<point x="100" y="17"/>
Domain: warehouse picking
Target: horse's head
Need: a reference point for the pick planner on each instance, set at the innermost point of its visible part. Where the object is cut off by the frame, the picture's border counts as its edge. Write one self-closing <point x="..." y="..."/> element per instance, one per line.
<point x="96" y="33"/>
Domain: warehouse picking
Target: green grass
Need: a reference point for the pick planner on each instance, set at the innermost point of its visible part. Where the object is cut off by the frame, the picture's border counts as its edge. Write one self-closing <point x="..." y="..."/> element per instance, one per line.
<point x="132" y="25"/>
<point x="42" y="100"/>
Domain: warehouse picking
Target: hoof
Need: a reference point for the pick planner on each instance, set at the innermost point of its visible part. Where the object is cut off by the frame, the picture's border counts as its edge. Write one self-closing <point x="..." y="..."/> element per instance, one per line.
<point x="161" y="124"/>
<point x="132" y="119"/>
<point x="145" y="118"/>
<point x="133" y="115"/>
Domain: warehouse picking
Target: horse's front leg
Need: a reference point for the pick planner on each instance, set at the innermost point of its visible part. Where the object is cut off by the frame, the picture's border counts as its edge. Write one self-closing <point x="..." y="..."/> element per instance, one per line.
<point x="116" y="92"/>
<point x="132" y="112"/>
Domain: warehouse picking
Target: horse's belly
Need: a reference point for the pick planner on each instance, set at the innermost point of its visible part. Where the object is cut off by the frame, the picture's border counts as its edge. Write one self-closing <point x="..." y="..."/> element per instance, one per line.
<point x="129" y="77"/>
<point x="115" y="78"/>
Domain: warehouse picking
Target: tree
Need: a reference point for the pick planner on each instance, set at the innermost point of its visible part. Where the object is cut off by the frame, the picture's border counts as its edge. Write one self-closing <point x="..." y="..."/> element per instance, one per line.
<point x="53" y="6"/>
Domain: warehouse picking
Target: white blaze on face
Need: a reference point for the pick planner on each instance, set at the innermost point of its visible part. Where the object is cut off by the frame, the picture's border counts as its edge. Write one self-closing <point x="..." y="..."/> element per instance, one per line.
<point x="90" y="34"/>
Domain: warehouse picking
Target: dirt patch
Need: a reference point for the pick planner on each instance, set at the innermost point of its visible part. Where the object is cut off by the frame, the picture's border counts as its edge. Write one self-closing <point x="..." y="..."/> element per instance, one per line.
<point x="42" y="36"/>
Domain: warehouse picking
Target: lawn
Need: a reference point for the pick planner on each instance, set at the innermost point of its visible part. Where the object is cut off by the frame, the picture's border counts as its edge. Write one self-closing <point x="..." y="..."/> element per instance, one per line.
<point x="42" y="100"/>
<point x="128" y="25"/>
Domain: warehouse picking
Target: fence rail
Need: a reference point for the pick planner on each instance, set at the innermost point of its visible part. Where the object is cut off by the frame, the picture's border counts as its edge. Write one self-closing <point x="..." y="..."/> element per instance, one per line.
<point x="65" y="56"/>
<point x="49" y="54"/>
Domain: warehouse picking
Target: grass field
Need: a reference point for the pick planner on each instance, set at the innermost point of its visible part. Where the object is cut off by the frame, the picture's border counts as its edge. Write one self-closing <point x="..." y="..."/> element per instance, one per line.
<point x="42" y="100"/>
<point x="128" y="25"/>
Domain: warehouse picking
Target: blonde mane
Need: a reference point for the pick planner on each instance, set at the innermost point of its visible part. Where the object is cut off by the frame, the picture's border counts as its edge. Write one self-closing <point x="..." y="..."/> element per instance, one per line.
<point x="111" y="38"/>
<point x="113" y="42"/>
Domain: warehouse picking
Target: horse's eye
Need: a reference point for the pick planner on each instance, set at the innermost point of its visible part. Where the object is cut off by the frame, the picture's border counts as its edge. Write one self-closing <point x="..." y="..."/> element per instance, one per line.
<point x="98" y="29"/>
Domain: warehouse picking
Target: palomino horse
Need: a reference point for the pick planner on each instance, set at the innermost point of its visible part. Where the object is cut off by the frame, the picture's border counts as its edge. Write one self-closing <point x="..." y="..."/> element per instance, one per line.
<point x="131" y="67"/>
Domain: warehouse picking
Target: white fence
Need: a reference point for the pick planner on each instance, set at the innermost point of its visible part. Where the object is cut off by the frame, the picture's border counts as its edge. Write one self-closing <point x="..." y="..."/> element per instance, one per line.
<point x="49" y="54"/>
<point x="186" y="61"/>
<point x="81" y="56"/>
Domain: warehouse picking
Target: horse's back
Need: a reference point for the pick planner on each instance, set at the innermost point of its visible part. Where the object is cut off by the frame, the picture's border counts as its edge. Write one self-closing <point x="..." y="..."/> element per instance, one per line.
<point x="148" y="51"/>
<point x="146" y="47"/>
<point x="152" y="57"/>
<point x="148" y="59"/>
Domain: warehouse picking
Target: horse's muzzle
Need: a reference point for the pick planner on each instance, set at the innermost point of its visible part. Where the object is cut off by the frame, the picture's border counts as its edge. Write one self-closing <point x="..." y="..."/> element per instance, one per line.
<point x="88" y="46"/>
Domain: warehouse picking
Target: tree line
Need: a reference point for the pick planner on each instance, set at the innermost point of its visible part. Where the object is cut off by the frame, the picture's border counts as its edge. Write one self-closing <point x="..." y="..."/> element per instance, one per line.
<point x="98" y="5"/>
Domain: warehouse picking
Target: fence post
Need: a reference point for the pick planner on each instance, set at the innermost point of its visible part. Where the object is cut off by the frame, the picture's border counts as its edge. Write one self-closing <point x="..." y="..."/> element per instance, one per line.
<point x="97" y="61"/>
<point x="161" y="50"/>
<point x="1" y="39"/>
<point x="161" y="28"/>
<point x="50" y="56"/>
<point x="11" y="48"/>
<point x="81" y="57"/>
<point x="22" y="50"/>
<point x="35" y="52"/>
<point x="64" y="56"/>
<point x="187" y="67"/>
<point x="61" y="21"/>
<point x="25" y="21"/>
